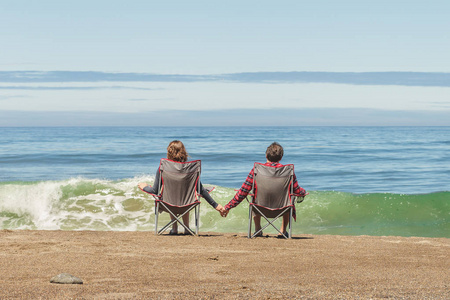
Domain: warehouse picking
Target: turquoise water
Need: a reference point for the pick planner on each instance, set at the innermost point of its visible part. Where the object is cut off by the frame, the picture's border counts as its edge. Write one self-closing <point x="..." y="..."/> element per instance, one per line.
<point x="362" y="181"/>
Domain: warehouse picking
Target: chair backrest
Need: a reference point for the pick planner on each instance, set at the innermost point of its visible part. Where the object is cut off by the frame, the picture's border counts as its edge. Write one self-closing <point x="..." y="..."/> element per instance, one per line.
<point x="273" y="185"/>
<point x="179" y="181"/>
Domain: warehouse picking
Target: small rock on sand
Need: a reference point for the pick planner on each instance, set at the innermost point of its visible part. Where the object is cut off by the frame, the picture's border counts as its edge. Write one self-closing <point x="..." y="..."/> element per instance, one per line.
<point x="66" y="278"/>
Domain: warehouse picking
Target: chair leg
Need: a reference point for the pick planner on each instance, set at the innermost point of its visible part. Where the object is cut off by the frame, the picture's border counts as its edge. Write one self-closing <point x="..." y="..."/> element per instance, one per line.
<point x="168" y="225"/>
<point x="290" y="222"/>
<point x="186" y="228"/>
<point x="250" y="222"/>
<point x="156" y="217"/>
<point x="174" y="220"/>
<point x="272" y="222"/>
<point x="197" y="218"/>
<point x="178" y="219"/>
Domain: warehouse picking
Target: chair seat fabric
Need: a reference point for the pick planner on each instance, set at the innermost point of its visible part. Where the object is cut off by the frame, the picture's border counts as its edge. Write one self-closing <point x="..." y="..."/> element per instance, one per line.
<point x="176" y="209"/>
<point x="272" y="185"/>
<point x="268" y="212"/>
<point x="179" y="181"/>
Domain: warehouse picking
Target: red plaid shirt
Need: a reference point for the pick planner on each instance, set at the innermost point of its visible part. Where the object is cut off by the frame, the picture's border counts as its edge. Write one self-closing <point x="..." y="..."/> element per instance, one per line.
<point x="248" y="184"/>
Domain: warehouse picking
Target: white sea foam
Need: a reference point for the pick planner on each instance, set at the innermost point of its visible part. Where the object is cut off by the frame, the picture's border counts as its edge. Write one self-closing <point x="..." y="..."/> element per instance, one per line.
<point x="34" y="200"/>
<point x="75" y="204"/>
<point x="92" y="204"/>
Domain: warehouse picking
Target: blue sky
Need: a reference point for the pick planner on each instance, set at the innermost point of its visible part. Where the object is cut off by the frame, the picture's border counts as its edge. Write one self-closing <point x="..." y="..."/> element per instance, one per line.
<point x="224" y="63"/>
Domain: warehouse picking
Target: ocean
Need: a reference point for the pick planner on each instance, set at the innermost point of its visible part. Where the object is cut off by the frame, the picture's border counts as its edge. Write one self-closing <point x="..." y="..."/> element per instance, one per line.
<point x="362" y="180"/>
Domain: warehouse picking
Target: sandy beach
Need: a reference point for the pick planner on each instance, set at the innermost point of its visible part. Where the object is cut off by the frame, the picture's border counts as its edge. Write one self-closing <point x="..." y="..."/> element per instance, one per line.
<point x="134" y="265"/>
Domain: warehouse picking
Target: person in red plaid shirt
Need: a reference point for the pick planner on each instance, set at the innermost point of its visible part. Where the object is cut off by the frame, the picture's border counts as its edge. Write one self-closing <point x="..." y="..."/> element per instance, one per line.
<point x="274" y="154"/>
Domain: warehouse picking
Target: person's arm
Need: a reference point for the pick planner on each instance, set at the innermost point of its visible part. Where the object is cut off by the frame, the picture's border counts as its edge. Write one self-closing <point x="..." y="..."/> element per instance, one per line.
<point x="205" y="194"/>
<point x="151" y="189"/>
<point x="298" y="190"/>
<point x="242" y="193"/>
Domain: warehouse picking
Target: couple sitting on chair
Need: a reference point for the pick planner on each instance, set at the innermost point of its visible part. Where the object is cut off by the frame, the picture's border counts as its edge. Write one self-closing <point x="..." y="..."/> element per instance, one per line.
<point x="177" y="183"/>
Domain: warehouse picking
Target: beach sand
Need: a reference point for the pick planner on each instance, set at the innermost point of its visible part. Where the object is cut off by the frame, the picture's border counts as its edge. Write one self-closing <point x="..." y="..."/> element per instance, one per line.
<point x="135" y="265"/>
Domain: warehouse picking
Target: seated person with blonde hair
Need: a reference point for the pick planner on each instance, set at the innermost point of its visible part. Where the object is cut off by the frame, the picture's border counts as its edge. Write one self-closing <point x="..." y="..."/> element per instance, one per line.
<point x="177" y="152"/>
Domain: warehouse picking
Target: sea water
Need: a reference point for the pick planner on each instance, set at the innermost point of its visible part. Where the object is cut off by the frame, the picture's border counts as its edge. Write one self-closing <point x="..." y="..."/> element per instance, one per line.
<point x="361" y="180"/>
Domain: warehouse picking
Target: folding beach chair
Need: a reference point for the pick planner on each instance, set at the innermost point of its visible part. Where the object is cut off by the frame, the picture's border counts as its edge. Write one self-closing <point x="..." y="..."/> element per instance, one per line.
<point x="273" y="195"/>
<point x="178" y="186"/>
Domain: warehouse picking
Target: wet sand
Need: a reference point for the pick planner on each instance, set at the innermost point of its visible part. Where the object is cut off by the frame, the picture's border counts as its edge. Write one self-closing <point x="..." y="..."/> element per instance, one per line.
<point x="135" y="265"/>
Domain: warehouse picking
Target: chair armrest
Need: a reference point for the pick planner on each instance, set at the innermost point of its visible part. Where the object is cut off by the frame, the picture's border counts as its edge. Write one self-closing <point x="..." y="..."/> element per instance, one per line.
<point x="300" y="198"/>
<point x="209" y="189"/>
<point x="155" y="196"/>
<point x="299" y="195"/>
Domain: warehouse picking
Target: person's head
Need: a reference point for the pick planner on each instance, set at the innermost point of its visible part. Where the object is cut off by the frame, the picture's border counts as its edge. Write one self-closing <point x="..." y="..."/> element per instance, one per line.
<point x="274" y="152"/>
<point x="177" y="152"/>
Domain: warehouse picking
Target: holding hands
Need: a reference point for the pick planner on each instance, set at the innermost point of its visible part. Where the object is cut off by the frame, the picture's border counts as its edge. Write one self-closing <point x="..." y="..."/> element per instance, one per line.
<point x="223" y="212"/>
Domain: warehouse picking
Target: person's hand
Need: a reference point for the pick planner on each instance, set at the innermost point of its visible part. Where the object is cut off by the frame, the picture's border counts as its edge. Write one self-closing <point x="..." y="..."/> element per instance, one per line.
<point x="142" y="185"/>
<point x="224" y="212"/>
<point x="219" y="208"/>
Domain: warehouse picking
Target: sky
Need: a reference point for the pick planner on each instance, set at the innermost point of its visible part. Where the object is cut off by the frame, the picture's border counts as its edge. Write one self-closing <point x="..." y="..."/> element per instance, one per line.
<point x="224" y="63"/>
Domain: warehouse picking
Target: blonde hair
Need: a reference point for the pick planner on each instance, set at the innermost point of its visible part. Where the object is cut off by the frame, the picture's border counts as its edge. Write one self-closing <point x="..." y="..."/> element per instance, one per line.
<point x="177" y="152"/>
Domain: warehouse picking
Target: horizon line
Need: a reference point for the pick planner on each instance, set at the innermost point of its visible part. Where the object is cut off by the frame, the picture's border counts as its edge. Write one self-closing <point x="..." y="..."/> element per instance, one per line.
<point x="400" y="78"/>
